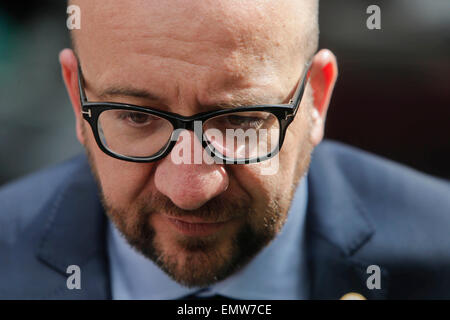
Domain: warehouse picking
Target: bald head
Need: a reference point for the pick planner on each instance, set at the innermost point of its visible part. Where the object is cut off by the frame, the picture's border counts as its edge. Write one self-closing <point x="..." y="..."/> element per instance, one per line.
<point x="289" y="23"/>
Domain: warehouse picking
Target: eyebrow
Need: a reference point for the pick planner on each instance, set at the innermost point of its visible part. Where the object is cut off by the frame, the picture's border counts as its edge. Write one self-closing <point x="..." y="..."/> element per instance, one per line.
<point x="128" y="92"/>
<point x="236" y="102"/>
<point x="244" y="101"/>
<point x="120" y="91"/>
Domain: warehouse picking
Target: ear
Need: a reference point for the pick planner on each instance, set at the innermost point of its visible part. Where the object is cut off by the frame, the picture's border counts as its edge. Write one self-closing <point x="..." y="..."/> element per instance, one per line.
<point x="69" y="68"/>
<point x="323" y="76"/>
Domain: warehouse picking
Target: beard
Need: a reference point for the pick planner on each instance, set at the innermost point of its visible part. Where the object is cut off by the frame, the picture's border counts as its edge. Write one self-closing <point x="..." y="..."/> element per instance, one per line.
<point x="198" y="261"/>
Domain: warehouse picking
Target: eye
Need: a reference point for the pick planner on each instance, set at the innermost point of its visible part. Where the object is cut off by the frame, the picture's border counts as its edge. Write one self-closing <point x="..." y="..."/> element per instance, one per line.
<point x="245" y="121"/>
<point x="138" y="119"/>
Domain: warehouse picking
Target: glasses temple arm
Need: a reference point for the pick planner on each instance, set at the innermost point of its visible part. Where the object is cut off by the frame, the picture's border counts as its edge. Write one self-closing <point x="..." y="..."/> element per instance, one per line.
<point x="83" y="98"/>
<point x="301" y="88"/>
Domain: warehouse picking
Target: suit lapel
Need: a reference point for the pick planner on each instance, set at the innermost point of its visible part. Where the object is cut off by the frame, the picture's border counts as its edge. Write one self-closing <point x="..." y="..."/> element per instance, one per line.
<point x="337" y="227"/>
<point x="75" y="235"/>
<point x="334" y="274"/>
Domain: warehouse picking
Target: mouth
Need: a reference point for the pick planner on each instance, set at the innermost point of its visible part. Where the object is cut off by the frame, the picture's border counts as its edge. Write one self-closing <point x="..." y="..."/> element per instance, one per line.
<point x="195" y="227"/>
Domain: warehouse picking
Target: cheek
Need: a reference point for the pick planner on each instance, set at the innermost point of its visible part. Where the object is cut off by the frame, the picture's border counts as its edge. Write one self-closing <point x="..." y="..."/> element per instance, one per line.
<point x="263" y="188"/>
<point x="292" y="163"/>
<point x="122" y="182"/>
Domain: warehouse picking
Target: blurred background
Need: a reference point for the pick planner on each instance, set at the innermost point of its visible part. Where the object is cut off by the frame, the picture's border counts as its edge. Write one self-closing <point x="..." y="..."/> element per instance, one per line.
<point x="392" y="97"/>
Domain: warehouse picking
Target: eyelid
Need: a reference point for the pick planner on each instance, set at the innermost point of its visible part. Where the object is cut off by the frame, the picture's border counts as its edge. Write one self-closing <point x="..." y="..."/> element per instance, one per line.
<point x="252" y="114"/>
<point x="122" y="114"/>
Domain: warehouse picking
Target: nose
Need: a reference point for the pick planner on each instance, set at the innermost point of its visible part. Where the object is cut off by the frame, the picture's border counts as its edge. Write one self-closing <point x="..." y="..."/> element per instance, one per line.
<point x="190" y="185"/>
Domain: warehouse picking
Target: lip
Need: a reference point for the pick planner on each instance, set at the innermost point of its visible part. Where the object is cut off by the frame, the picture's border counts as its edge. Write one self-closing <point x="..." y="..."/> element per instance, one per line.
<point x="195" y="227"/>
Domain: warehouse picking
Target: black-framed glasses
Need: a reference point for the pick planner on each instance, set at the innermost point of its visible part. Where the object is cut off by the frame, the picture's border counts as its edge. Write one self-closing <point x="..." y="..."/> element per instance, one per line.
<point x="240" y="135"/>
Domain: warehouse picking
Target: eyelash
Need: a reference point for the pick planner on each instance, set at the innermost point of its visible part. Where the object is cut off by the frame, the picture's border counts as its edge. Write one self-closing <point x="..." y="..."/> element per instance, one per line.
<point x="127" y="116"/>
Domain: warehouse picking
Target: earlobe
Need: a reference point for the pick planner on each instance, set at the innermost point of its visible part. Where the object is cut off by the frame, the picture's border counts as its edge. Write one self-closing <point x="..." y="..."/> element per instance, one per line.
<point x="69" y="67"/>
<point x="323" y="77"/>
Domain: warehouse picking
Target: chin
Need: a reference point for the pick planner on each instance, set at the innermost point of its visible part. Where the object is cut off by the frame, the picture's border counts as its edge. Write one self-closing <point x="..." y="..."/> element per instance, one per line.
<point x="197" y="262"/>
<point x="202" y="261"/>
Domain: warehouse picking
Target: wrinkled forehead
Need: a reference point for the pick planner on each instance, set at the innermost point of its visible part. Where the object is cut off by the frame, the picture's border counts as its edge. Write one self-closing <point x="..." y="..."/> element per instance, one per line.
<point x="270" y="31"/>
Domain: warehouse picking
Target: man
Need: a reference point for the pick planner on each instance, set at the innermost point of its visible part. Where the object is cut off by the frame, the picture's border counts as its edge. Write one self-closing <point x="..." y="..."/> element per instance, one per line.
<point x="145" y="225"/>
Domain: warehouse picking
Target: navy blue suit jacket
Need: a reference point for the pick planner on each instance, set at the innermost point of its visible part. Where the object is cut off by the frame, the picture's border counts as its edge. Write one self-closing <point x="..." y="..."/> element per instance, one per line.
<point x="362" y="211"/>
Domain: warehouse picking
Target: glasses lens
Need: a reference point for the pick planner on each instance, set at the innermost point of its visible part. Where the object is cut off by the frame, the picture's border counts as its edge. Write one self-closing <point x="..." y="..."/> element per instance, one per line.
<point x="134" y="134"/>
<point x="243" y="135"/>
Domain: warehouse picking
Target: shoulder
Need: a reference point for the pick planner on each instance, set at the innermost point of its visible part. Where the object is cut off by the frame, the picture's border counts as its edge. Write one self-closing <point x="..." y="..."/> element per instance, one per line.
<point x="48" y="220"/>
<point x="409" y="212"/>
<point x="383" y="183"/>
<point x="394" y="195"/>
<point x="22" y="201"/>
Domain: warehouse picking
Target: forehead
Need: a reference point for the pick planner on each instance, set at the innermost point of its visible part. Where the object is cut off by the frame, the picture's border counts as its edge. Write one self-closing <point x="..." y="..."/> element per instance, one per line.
<point x="228" y="40"/>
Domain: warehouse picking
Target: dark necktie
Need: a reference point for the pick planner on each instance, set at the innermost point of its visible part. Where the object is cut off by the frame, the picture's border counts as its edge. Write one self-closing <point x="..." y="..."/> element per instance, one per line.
<point x="194" y="296"/>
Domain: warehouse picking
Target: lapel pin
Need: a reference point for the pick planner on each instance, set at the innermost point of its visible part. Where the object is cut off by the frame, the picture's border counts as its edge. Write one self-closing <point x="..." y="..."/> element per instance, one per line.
<point x="352" y="296"/>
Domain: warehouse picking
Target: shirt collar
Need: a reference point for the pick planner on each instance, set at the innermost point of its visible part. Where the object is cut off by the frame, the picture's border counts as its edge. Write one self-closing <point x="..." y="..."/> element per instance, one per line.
<point x="277" y="272"/>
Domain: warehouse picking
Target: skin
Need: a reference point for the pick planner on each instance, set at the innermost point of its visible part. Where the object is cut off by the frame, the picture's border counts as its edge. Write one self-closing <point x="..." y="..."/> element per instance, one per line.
<point x="236" y="53"/>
